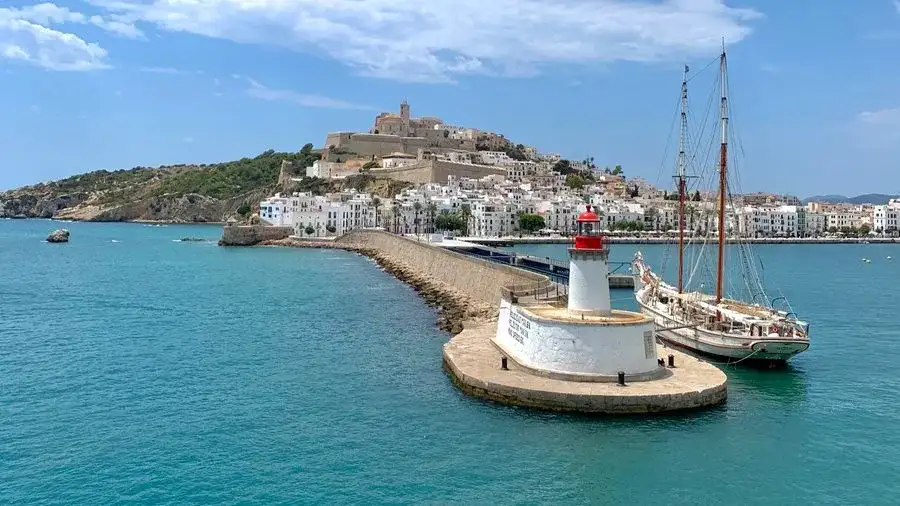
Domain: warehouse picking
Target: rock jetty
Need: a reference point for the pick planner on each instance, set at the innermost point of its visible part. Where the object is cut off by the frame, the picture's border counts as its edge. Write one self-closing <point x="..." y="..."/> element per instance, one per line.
<point x="57" y="236"/>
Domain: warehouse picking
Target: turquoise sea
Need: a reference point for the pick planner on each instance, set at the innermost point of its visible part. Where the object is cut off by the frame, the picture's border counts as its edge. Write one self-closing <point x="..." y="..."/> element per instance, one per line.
<point x="138" y="370"/>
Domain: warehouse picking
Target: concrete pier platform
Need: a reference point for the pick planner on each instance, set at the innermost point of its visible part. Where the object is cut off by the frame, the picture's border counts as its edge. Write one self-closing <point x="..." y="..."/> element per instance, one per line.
<point x="473" y="363"/>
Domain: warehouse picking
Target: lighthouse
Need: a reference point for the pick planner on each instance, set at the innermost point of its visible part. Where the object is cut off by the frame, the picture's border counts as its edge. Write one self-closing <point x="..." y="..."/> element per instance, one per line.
<point x="582" y="338"/>
<point x="589" y="268"/>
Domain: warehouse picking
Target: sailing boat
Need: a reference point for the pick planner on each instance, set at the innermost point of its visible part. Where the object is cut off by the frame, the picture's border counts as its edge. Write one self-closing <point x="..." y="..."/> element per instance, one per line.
<point x="714" y="325"/>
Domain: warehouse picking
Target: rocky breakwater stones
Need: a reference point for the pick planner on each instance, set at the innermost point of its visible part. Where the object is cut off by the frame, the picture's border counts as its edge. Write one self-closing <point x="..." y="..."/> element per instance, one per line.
<point x="57" y="236"/>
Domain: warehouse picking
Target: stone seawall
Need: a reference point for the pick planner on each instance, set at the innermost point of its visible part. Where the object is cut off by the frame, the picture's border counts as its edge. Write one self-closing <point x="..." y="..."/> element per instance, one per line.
<point x="478" y="279"/>
<point x="235" y="235"/>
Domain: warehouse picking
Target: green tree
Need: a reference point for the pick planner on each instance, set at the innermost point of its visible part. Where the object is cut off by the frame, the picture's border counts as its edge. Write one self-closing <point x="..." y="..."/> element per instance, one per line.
<point x="376" y="203"/>
<point x="417" y="207"/>
<point x="465" y="212"/>
<point x="864" y="229"/>
<point x="244" y="210"/>
<point x="575" y="181"/>
<point x="629" y="226"/>
<point x="531" y="223"/>
<point x="330" y="228"/>
<point x="696" y="196"/>
<point x="431" y="211"/>
<point x="563" y="167"/>
<point x="449" y="221"/>
<point x="309" y="230"/>
<point x="307" y="149"/>
<point x="617" y="170"/>
<point x="372" y="164"/>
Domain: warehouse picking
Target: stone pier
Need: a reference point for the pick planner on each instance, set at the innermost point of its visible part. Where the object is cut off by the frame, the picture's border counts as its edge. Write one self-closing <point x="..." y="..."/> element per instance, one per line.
<point x="473" y="363"/>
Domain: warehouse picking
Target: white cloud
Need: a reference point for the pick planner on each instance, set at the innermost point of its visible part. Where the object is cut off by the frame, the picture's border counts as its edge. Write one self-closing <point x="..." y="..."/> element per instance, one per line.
<point x="262" y="92"/>
<point x="881" y="118"/>
<point x="38" y="45"/>
<point x="879" y="128"/>
<point x="435" y="40"/>
<point x="188" y="140"/>
<point x="26" y="35"/>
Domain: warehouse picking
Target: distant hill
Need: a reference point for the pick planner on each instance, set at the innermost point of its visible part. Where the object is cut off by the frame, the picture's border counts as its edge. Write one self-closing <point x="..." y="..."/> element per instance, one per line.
<point x="869" y="198"/>
<point x="183" y="193"/>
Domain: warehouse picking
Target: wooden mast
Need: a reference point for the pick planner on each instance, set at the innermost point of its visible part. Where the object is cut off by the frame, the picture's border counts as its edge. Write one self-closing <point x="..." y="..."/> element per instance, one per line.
<point x="723" y="169"/>
<point x="681" y="179"/>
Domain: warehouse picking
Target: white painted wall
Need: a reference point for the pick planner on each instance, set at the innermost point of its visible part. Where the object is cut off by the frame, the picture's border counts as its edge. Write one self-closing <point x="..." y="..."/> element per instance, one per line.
<point x="575" y="348"/>
<point x="588" y="283"/>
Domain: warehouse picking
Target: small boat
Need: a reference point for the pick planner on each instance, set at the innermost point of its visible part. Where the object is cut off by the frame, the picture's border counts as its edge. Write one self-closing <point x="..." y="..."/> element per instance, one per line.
<point x="728" y="328"/>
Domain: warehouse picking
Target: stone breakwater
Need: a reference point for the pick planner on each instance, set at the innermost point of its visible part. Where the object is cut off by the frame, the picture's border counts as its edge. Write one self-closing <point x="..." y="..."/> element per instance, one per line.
<point x="454" y="307"/>
<point x="249" y="235"/>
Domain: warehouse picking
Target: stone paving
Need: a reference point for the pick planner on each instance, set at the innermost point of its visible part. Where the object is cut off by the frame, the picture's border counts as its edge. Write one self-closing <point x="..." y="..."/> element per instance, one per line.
<point x="473" y="363"/>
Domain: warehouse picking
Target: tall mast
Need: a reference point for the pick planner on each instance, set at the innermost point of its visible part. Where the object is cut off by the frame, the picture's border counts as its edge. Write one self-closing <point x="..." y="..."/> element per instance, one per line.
<point x="723" y="170"/>
<point x="681" y="178"/>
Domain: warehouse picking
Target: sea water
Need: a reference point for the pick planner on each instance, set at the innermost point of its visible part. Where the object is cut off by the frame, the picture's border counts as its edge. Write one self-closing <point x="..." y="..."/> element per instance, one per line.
<point x="136" y="369"/>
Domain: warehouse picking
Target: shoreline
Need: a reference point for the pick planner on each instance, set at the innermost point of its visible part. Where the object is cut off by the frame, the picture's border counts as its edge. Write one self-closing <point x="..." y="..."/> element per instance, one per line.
<point x="455" y="309"/>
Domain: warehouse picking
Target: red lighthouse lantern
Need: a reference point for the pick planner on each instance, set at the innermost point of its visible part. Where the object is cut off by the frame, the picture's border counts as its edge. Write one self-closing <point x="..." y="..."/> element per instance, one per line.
<point x="589" y="236"/>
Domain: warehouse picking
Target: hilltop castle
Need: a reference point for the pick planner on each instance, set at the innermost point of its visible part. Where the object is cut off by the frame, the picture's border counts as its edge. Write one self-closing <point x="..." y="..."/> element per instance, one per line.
<point x="401" y="133"/>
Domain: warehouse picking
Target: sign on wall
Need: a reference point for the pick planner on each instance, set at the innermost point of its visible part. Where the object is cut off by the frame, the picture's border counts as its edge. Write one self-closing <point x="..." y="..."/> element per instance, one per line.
<point x="519" y="326"/>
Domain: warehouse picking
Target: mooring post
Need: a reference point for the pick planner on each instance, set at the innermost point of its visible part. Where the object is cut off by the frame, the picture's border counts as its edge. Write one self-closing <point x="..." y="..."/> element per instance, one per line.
<point x="671" y="360"/>
<point x="621" y="378"/>
<point x="503" y="364"/>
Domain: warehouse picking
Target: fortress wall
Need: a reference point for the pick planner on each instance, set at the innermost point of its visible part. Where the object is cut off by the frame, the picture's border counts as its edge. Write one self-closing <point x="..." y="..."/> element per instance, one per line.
<point x="444" y="169"/>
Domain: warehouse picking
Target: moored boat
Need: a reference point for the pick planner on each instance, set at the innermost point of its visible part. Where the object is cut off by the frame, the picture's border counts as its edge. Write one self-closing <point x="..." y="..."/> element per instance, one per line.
<point x="713" y="324"/>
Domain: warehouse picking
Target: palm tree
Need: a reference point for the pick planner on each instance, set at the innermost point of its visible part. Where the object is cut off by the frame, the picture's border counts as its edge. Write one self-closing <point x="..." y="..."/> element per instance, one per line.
<point x="431" y="210"/>
<point x="395" y="214"/>
<point x="417" y="207"/>
<point x="465" y="212"/>
<point x="377" y="203"/>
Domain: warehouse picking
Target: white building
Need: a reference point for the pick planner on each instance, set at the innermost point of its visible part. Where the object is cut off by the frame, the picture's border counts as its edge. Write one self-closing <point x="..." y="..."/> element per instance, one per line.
<point x="494" y="157"/>
<point x="276" y="211"/>
<point x="396" y="160"/>
<point x="886" y="218"/>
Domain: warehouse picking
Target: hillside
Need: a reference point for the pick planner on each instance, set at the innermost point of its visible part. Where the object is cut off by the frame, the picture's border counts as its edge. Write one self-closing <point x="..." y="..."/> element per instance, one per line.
<point x="869" y="198"/>
<point x="180" y="193"/>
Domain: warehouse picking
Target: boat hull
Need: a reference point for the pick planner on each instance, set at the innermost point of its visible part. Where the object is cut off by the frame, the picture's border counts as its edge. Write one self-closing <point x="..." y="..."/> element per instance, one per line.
<point x="727" y="348"/>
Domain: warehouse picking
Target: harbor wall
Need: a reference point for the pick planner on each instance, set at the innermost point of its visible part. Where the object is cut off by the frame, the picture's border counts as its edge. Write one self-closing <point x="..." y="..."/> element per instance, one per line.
<point x="479" y="279"/>
<point x="248" y="235"/>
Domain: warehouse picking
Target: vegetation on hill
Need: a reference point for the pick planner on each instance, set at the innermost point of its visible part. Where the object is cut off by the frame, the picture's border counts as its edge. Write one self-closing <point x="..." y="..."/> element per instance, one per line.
<point x="869" y="198"/>
<point x="230" y="179"/>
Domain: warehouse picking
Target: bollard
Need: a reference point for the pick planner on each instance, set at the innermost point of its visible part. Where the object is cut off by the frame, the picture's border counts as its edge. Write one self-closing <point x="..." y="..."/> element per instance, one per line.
<point x="503" y="364"/>
<point x="621" y="378"/>
<point x="671" y="360"/>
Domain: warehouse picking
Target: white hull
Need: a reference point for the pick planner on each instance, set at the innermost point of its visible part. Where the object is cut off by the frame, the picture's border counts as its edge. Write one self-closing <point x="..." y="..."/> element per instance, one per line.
<point x="724" y="346"/>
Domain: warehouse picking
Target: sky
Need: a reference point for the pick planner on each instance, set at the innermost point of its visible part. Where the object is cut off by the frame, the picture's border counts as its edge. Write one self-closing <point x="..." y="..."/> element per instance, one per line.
<point x="109" y="84"/>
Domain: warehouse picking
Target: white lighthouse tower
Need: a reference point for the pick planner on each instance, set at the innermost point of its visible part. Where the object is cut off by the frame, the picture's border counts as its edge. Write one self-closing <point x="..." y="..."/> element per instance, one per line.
<point x="589" y="268"/>
<point x="583" y="339"/>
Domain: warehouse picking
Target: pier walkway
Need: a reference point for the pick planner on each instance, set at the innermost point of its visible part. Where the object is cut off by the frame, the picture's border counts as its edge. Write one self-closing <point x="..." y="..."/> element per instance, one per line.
<point x="556" y="270"/>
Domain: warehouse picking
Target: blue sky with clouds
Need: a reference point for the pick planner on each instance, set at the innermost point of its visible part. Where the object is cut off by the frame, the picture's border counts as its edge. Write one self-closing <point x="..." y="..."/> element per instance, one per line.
<point x="120" y="83"/>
